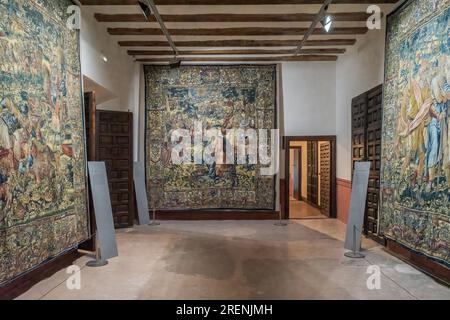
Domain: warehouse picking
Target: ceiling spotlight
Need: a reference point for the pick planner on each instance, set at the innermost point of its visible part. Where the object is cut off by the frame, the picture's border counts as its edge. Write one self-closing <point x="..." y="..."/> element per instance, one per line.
<point x="175" y="63"/>
<point x="146" y="11"/>
<point x="327" y="20"/>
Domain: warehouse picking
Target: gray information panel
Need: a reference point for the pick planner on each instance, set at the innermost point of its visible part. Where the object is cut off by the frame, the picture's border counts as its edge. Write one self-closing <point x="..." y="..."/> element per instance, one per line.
<point x="141" y="193"/>
<point x="357" y="205"/>
<point x="106" y="233"/>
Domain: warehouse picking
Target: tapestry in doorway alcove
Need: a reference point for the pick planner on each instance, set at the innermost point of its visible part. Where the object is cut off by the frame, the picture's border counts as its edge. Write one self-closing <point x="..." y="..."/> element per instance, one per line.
<point x="42" y="163"/>
<point x="415" y="205"/>
<point x="210" y="97"/>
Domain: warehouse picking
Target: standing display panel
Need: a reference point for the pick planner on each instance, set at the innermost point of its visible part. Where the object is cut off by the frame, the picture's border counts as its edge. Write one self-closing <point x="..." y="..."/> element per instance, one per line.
<point x="415" y="178"/>
<point x="218" y="97"/>
<point x="43" y="209"/>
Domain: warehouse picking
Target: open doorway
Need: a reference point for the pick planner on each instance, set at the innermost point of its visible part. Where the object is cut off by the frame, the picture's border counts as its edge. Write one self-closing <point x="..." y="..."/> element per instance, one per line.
<point x="310" y="177"/>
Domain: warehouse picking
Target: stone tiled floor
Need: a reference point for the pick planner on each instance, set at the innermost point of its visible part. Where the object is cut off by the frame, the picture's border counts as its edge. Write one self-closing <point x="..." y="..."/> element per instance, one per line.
<point x="241" y="260"/>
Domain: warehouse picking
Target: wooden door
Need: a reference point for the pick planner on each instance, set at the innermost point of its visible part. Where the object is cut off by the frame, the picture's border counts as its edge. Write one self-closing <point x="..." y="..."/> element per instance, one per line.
<point x="366" y="146"/>
<point x="114" y="145"/>
<point x="359" y="110"/>
<point x="325" y="178"/>
<point x="313" y="173"/>
<point x="373" y="147"/>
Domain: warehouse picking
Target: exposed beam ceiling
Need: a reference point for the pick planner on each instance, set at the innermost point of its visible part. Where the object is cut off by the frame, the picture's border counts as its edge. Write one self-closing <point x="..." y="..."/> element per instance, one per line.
<point x="240" y="43"/>
<point x="246" y="59"/>
<point x="232" y="52"/>
<point x="234" y="31"/>
<point x="295" y="17"/>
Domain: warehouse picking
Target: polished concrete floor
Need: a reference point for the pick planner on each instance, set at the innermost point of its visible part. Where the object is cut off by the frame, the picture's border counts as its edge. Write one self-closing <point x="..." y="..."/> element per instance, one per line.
<point x="303" y="210"/>
<point x="241" y="260"/>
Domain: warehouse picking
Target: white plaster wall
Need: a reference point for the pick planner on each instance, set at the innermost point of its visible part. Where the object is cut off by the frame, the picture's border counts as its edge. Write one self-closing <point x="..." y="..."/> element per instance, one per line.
<point x="117" y="75"/>
<point x="359" y="70"/>
<point x="309" y="93"/>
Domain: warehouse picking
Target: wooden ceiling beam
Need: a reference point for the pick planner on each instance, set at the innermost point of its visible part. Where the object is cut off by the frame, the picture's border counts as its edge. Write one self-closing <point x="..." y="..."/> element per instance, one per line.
<point x="295" y="17"/>
<point x="235" y="31"/>
<point x="247" y="59"/>
<point x="241" y="43"/>
<point x="229" y="2"/>
<point x="232" y="52"/>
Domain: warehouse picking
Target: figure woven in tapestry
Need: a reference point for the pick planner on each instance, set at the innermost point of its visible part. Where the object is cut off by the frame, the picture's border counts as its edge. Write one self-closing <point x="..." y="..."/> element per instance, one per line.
<point x="42" y="153"/>
<point x="197" y="99"/>
<point x="415" y="204"/>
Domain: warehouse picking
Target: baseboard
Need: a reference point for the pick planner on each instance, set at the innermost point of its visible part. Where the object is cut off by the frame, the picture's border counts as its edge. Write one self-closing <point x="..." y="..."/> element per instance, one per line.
<point x="45" y="270"/>
<point x="429" y="266"/>
<point x="216" y="215"/>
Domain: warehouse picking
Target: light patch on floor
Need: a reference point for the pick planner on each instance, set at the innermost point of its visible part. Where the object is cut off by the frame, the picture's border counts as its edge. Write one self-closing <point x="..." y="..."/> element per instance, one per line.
<point x="240" y="260"/>
<point x="303" y="210"/>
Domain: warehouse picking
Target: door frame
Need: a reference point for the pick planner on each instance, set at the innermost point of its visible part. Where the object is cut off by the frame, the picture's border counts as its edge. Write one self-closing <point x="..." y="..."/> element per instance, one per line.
<point x="286" y="147"/>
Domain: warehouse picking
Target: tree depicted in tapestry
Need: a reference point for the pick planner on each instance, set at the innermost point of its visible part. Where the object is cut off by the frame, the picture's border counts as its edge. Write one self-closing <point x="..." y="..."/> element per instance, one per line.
<point x="416" y="145"/>
<point x="221" y="98"/>
<point x="42" y="162"/>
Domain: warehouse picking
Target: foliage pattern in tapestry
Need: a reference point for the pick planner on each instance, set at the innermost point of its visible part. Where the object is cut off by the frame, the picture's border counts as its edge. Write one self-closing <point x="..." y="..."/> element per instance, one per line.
<point x="42" y="154"/>
<point x="220" y="97"/>
<point x="415" y="204"/>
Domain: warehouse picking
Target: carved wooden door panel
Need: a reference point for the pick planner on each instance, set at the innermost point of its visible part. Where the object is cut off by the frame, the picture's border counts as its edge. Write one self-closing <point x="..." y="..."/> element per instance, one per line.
<point x="114" y="145"/>
<point x="325" y="178"/>
<point x="373" y="147"/>
<point x="313" y="173"/>
<point x="366" y="146"/>
<point x="359" y="109"/>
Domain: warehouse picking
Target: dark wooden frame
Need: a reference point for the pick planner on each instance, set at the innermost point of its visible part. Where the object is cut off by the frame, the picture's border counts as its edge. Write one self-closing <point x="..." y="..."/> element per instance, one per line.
<point x="90" y="116"/>
<point x="286" y="146"/>
<point x="434" y="269"/>
<point x="45" y="270"/>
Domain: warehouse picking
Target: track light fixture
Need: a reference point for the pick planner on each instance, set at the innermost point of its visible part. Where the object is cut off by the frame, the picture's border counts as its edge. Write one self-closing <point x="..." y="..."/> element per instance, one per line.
<point x="327" y="20"/>
<point x="175" y="63"/>
<point x="146" y="11"/>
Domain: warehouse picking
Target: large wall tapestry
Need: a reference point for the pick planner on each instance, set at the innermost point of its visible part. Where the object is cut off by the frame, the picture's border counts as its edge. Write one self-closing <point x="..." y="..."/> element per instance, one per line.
<point x="42" y="158"/>
<point x="219" y="97"/>
<point x="416" y="146"/>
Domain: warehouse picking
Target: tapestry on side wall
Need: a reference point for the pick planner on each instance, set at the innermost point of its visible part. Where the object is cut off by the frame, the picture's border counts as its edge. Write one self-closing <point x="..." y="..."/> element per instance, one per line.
<point x="415" y="204"/>
<point x="220" y="98"/>
<point x="42" y="154"/>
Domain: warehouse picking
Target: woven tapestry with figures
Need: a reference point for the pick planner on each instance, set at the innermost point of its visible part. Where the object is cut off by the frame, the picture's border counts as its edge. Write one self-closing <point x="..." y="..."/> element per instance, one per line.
<point x="217" y="97"/>
<point x="42" y="158"/>
<point x="415" y="205"/>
